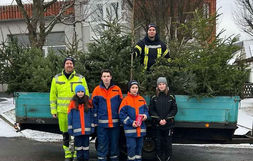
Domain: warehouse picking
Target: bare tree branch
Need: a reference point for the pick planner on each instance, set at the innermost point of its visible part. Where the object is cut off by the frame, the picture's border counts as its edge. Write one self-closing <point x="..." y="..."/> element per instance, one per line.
<point x="244" y="15"/>
<point x="48" y="4"/>
<point x="51" y="24"/>
<point x="36" y="21"/>
<point x="22" y="8"/>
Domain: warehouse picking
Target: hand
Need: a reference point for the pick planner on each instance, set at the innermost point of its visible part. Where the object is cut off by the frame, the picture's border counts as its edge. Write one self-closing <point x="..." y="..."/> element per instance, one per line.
<point x="54" y="115"/>
<point x="144" y="117"/>
<point x="134" y="124"/>
<point x="162" y="122"/>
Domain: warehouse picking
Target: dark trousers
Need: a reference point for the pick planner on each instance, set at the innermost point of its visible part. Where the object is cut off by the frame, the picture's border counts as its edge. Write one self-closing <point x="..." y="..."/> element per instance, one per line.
<point x="163" y="144"/>
<point x="82" y="147"/>
<point x="134" y="148"/>
<point x="108" y="143"/>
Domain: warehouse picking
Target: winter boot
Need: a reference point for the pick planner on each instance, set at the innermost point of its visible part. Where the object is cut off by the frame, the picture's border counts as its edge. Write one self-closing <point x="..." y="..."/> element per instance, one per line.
<point x="75" y="159"/>
<point x="168" y="159"/>
<point x="68" y="159"/>
<point x="158" y="158"/>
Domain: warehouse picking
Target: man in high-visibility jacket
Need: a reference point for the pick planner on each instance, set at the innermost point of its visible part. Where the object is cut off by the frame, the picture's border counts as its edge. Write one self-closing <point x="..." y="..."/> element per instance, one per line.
<point x="151" y="48"/>
<point x="106" y="99"/>
<point x="62" y="90"/>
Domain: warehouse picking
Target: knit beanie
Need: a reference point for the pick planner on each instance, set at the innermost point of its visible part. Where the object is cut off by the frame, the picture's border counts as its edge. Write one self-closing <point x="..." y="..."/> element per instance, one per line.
<point x="69" y="58"/>
<point x="79" y="88"/>
<point x="162" y="80"/>
<point x="132" y="82"/>
<point x="152" y="25"/>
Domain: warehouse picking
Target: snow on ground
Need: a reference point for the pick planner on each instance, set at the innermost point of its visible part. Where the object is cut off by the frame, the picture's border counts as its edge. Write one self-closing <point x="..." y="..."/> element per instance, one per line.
<point x="7" y="111"/>
<point x="245" y="116"/>
<point x="7" y="131"/>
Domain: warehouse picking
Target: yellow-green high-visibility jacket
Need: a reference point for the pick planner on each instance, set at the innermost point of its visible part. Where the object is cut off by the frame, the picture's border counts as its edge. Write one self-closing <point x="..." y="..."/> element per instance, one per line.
<point x="63" y="89"/>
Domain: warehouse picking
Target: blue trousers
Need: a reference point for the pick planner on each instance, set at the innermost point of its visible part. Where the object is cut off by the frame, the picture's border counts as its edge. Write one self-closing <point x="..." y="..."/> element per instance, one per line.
<point x="108" y="143"/>
<point x="82" y="147"/>
<point x="134" y="148"/>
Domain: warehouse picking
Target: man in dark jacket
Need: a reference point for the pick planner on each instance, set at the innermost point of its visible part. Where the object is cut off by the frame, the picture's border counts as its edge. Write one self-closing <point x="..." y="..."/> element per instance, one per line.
<point x="163" y="108"/>
<point x="151" y="48"/>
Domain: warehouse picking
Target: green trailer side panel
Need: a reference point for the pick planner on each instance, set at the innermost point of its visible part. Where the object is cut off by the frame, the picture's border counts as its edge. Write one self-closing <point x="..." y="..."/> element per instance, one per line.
<point x="32" y="105"/>
<point x="220" y="109"/>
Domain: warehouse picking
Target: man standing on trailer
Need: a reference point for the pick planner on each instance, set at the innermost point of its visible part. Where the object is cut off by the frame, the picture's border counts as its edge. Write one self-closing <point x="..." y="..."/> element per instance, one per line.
<point x="151" y="48"/>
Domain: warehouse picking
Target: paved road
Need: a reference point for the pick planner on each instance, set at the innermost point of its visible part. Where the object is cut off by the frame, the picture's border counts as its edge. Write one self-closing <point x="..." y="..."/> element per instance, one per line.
<point x="22" y="149"/>
<point x="196" y="153"/>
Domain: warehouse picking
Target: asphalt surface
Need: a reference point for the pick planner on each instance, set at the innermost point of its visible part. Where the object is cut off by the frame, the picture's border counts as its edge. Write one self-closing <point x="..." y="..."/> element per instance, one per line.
<point x="22" y="149"/>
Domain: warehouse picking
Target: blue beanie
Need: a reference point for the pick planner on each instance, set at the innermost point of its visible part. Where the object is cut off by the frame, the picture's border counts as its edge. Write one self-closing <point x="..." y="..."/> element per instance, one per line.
<point x="79" y="88"/>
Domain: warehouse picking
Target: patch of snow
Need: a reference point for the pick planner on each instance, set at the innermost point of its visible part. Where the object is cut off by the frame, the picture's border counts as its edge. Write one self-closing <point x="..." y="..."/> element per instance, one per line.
<point x="7" y="110"/>
<point x="246" y="103"/>
<point x="42" y="136"/>
<point x="244" y="122"/>
<point x="7" y="131"/>
<point x="245" y="116"/>
<point x="241" y="146"/>
<point x="6" y="105"/>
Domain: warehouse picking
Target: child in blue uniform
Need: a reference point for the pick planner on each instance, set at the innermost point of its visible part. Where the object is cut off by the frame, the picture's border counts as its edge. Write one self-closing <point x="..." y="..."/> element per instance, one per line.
<point x="132" y="106"/>
<point x="80" y="122"/>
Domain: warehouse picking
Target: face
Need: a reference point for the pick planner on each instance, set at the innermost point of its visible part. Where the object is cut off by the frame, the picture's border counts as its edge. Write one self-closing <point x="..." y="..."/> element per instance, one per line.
<point x="151" y="32"/>
<point x="106" y="78"/>
<point x="162" y="86"/>
<point x="68" y="66"/>
<point x="134" y="89"/>
<point x="80" y="94"/>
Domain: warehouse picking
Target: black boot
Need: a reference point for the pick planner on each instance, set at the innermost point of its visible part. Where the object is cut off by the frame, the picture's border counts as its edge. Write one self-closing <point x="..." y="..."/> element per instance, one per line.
<point x="158" y="157"/>
<point x="168" y="159"/>
<point x="75" y="159"/>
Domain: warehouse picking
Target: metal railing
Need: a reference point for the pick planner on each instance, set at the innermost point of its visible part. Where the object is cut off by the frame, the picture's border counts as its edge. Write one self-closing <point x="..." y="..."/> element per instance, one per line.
<point x="248" y="90"/>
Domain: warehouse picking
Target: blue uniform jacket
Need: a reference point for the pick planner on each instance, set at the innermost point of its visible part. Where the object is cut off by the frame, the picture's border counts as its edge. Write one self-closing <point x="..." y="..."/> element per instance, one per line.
<point x="130" y="107"/>
<point x="80" y="122"/>
<point x="106" y="104"/>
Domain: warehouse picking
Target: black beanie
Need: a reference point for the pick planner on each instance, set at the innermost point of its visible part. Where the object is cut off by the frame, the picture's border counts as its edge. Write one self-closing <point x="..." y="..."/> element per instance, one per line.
<point x="69" y="58"/>
<point x="132" y="82"/>
<point x="152" y="25"/>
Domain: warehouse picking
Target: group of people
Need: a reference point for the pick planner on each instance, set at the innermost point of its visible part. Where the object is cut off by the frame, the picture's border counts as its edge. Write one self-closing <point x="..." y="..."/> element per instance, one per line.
<point x="80" y="116"/>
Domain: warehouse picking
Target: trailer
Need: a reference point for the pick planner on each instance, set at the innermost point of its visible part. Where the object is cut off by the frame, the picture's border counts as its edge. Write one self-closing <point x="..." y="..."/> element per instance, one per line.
<point x="204" y="120"/>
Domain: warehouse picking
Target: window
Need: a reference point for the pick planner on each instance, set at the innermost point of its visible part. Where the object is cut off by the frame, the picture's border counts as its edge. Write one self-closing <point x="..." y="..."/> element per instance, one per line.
<point x="249" y="53"/>
<point x="206" y="10"/>
<point x="54" y="41"/>
<point x="22" y="39"/>
<point x="56" y="49"/>
<point x="103" y="10"/>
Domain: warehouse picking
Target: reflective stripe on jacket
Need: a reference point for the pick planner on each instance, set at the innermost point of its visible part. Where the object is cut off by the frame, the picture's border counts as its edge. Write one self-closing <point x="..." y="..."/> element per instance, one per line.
<point x="63" y="89"/>
<point x="106" y="104"/>
<point x="130" y="107"/>
<point x="150" y="52"/>
<point x="80" y="122"/>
